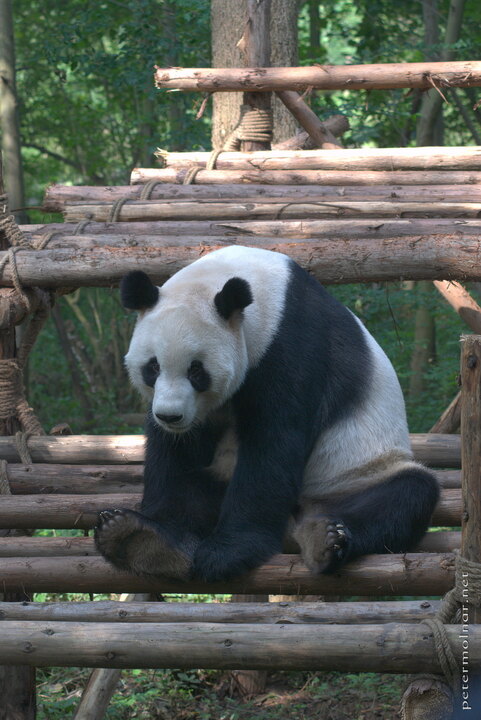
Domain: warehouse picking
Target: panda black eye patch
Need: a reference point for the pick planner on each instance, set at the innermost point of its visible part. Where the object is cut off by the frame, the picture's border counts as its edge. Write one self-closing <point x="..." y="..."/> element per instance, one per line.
<point x="198" y="376"/>
<point x="150" y="372"/>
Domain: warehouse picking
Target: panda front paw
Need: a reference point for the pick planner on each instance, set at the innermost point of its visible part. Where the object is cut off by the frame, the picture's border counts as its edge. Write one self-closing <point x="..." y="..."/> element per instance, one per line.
<point x="139" y="545"/>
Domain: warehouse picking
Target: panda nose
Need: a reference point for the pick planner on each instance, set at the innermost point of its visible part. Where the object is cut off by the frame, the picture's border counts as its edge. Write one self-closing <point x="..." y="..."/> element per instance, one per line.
<point x="169" y="419"/>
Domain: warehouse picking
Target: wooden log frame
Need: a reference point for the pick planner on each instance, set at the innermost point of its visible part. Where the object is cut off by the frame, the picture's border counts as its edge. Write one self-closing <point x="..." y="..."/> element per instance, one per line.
<point x="411" y="574"/>
<point x="57" y="197"/>
<point x="81" y="511"/>
<point x="418" y="158"/>
<point x="440" y="541"/>
<point x="434" y="450"/>
<point x="386" y="76"/>
<point x="112" y="611"/>
<point x="371" y="648"/>
<point x="262" y="176"/>
<point x="332" y="261"/>
<point x="47" y="478"/>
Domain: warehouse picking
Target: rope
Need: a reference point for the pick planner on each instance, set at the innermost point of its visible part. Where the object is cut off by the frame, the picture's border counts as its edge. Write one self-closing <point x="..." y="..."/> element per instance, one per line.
<point x="255" y="124"/>
<point x="4" y="479"/>
<point x="80" y="227"/>
<point x="116" y="208"/>
<point x="21" y="439"/>
<point x="210" y="165"/>
<point x="148" y="188"/>
<point x="45" y="239"/>
<point x="450" y="612"/>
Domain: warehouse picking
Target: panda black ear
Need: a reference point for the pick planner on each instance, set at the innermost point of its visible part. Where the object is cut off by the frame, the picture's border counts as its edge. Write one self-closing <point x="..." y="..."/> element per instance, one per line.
<point x="137" y="292"/>
<point x="235" y="295"/>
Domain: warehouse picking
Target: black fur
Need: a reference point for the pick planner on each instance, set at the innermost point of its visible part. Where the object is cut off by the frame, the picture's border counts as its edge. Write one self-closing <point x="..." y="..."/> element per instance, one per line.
<point x="198" y="376"/>
<point x="150" y="372"/>
<point x="137" y="292"/>
<point x="235" y="295"/>
<point x="316" y="370"/>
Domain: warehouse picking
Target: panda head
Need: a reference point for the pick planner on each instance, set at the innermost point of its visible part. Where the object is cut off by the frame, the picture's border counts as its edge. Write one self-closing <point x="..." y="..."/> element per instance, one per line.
<point x="187" y="354"/>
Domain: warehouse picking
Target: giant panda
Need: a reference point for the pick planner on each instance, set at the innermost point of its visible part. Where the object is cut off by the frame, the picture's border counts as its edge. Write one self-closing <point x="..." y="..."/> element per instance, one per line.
<point x="273" y="414"/>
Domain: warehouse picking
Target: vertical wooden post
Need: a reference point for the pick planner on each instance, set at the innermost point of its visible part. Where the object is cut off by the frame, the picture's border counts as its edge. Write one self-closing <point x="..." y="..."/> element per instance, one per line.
<point x="471" y="491"/>
<point x="17" y="683"/>
<point x="255" y="45"/>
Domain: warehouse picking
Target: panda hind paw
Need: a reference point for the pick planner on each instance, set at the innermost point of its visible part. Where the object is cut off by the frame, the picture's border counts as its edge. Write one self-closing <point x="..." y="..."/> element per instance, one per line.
<point x="324" y="543"/>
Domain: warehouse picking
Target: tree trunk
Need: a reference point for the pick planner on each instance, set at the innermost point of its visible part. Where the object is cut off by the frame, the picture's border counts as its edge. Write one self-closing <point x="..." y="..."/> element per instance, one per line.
<point x="424" y="350"/>
<point x="9" y="122"/>
<point x="228" y="21"/>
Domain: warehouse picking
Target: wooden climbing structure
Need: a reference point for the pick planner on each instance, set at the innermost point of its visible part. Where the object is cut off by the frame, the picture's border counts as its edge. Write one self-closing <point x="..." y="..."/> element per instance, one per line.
<point x="345" y="215"/>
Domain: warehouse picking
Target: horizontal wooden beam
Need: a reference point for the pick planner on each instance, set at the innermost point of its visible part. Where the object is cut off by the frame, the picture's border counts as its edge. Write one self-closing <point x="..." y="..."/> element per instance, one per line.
<point x="182" y="233"/>
<point x="112" y="611"/>
<point x="57" y="197"/>
<point x="416" y="574"/>
<point x="137" y="210"/>
<point x="308" y="177"/>
<point x="438" y="542"/>
<point x="428" y="448"/>
<point x="384" y="648"/>
<point x="386" y="76"/>
<point x="433" y="257"/>
<point x="81" y="511"/>
<point x="418" y="158"/>
<point x="44" y="478"/>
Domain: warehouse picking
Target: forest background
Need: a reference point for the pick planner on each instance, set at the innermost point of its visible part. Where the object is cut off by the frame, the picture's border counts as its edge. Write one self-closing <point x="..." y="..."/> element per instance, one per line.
<point x="89" y="113"/>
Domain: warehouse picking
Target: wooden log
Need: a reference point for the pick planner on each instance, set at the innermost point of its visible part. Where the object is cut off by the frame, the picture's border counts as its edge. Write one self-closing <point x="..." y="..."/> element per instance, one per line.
<point x="165" y="233"/>
<point x="471" y="463"/>
<point x="114" y="611"/>
<point x="386" y="76"/>
<point x="434" y="450"/>
<point x="450" y="419"/>
<point x="462" y="302"/>
<point x="418" y="158"/>
<point x="247" y="176"/>
<point x="320" y="135"/>
<point x="74" y="479"/>
<point x="439" y="542"/>
<point x="417" y="574"/>
<point x="364" y="260"/>
<point x="137" y="210"/>
<point x="81" y="511"/>
<point x="100" y="479"/>
<point x="369" y="648"/>
<point x="58" y="196"/>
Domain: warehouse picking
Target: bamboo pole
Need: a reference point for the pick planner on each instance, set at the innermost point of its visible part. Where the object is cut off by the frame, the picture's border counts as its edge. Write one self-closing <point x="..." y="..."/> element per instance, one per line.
<point x="58" y="196"/>
<point x="365" y="260"/>
<point x="416" y="158"/>
<point x="81" y="511"/>
<point x="439" y="542"/>
<point x="112" y="611"/>
<point x="168" y="233"/>
<point x="434" y="450"/>
<point x="307" y="177"/>
<point x="372" y="575"/>
<point x="137" y="210"/>
<point x="386" y="76"/>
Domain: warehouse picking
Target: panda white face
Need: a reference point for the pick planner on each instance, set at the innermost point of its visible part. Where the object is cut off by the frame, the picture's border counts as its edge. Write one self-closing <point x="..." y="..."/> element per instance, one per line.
<point x="186" y="357"/>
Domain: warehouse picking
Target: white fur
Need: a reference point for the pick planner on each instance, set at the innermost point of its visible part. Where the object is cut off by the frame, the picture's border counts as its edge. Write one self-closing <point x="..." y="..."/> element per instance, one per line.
<point x="368" y="445"/>
<point x="185" y="325"/>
